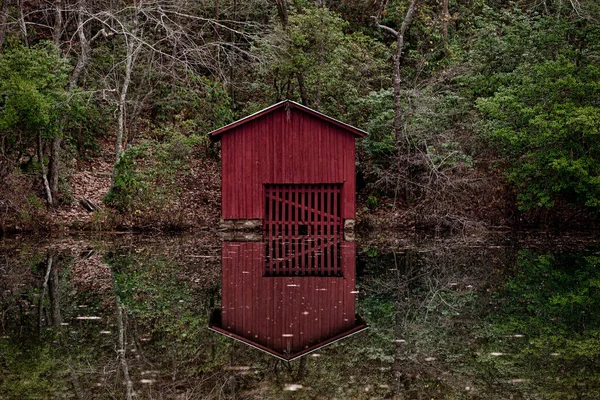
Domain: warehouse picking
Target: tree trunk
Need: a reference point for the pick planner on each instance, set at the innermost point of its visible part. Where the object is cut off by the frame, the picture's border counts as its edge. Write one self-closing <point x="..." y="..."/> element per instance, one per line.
<point x="401" y="384"/>
<point x="445" y="20"/>
<point x="398" y="114"/>
<point x="399" y="117"/>
<point x="58" y="23"/>
<point x="282" y="11"/>
<point x="122" y="351"/>
<point x="121" y="119"/>
<point x="54" y="167"/>
<point x="130" y="59"/>
<point x="22" y="22"/>
<point x="84" y="45"/>
<point x="301" y="89"/>
<point x="54" y="291"/>
<point x="44" y="287"/>
<point x="403" y="146"/>
<point x="44" y="175"/>
<point x="3" y="20"/>
<point x="216" y="26"/>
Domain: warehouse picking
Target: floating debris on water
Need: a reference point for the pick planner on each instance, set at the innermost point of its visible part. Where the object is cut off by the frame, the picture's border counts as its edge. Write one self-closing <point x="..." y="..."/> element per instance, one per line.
<point x="238" y="368"/>
<point x="292" y="387"/>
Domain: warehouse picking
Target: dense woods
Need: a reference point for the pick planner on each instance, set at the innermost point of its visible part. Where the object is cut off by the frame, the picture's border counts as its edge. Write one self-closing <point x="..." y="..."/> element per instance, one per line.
<point x="481" y="113"/>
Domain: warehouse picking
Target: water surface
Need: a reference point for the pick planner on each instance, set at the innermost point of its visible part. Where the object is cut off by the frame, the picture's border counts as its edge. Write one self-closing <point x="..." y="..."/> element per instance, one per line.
<point x="128" y="316"/>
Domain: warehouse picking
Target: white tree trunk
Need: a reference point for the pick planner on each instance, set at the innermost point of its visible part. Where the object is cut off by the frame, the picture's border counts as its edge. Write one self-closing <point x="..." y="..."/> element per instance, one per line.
<point x="44" y="174"/>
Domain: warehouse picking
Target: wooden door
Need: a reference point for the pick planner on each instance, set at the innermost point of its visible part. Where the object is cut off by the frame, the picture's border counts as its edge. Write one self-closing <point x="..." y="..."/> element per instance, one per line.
<point x="303" y="228"/>
<point x="303" y="210"/>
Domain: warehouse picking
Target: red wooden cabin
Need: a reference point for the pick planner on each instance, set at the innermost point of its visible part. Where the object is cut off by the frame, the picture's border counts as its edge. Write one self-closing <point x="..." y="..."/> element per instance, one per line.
<point x="294" y="307"/>
<point x="289" y="168"/>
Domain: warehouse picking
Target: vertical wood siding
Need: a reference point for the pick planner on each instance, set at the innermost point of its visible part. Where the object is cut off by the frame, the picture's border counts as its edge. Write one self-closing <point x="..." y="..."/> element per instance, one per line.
<point x="284" y="146"/>
<point x="285" y="314"/>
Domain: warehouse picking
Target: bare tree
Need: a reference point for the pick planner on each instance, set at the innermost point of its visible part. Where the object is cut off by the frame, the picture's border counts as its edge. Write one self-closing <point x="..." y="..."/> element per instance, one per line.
<point x="3" y="21"/>
<point x="121" y="325"/>
<point x="397" y="59"/>
<point x="22" y="25"/>
<point x="48" y="191"/>
<point x="170" y="38"/>
<point x="173" y="39"/>
<point x="58" y="23"/>
<point x="403" y="145"/>
<point x="49" y="261"/>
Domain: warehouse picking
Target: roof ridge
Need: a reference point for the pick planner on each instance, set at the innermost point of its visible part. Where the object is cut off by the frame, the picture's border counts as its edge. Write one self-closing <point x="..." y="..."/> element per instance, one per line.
<point x="356" y="131"/>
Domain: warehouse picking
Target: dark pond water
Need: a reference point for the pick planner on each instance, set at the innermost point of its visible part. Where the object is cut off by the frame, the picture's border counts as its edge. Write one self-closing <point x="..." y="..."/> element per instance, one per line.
<point x="129" y="316"/>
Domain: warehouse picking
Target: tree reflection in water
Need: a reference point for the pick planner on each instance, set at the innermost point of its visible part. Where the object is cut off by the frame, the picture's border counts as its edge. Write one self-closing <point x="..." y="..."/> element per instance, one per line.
<point x="446" y="319"/>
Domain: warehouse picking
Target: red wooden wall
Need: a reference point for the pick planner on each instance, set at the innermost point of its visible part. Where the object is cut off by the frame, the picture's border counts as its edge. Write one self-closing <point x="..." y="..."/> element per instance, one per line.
<point x="285" y="315"/>
<point x="284" y="146"/>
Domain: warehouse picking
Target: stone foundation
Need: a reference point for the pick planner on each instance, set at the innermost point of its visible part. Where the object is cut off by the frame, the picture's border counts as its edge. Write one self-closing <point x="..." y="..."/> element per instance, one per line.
<point x="349" y="225"/>
<point x="241" y="236"/>
<point x="240" y="224"/>
<point x="249" y="229"/>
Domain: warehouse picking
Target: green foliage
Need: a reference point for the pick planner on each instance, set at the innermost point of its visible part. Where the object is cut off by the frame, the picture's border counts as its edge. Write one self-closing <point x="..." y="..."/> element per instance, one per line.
<point x="539" y="83"/>
<point x="561" y="290"/>
<point x="200" y="104"/>
<point x="148" y="173"/>
<point x="372" y="201"/>
<point x="316" y="61"/>
<point x="148" y="287"/>
<point x="375" y="114"/>
<point x="32" y="83"/>
<point x="29" y="379"/>
<point x="128" y="183"/>
<point x="163" y="305"/>
<point x="550" y="305"/>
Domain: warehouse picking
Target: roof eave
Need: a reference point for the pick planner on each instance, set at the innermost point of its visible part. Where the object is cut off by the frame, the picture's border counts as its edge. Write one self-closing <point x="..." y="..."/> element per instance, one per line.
<point x="215" y="135"/>
<point x="359" y="327"/>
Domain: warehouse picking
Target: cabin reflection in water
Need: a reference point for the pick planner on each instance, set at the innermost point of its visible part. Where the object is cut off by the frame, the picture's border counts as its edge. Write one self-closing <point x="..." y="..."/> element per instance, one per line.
<point x="288" y="296"/>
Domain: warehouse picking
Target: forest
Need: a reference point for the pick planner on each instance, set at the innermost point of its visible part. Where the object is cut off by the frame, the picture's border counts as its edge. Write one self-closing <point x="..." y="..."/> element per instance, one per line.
<point x="474" y="271"/>
<point x="481" y="114"/>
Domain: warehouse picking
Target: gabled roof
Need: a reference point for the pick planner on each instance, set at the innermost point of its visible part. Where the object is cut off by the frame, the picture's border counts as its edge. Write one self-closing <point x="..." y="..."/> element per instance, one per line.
<point x="215" y="325"/>
<point x="287" y="104"/>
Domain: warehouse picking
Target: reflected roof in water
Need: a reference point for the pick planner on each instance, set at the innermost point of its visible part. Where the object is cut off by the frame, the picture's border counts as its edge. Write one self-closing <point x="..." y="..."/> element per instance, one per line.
<point x="288" y="296"/>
